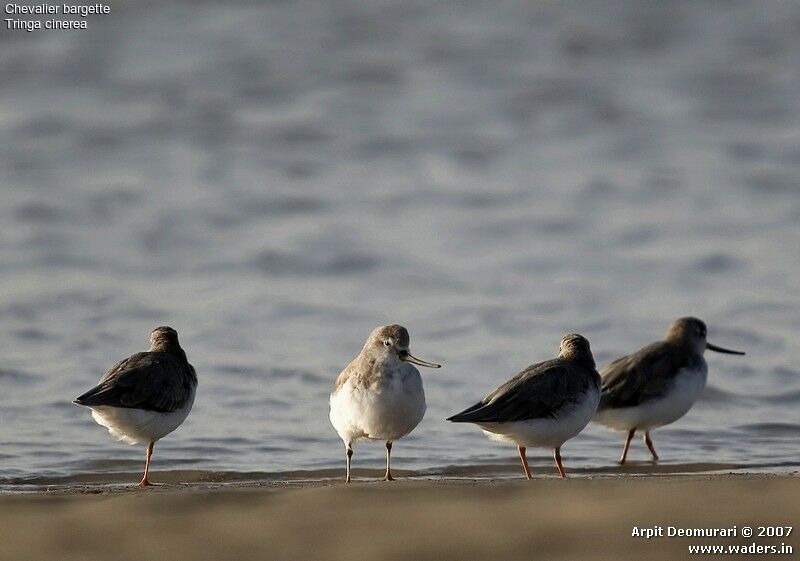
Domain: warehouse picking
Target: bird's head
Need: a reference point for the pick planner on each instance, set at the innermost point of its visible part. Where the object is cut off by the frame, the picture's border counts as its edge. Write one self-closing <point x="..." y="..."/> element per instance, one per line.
<point x="390" y="342"/>
<point x="691" y="332"/>
<point x="576" y="347"/>
<point x="164" y="339"/>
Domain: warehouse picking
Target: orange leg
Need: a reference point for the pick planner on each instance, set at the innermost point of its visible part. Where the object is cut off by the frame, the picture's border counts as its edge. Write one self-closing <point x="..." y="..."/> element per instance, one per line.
<point x="559" y="465"/>
<point x="627" y="445"/>
<point x="145" y="482"/>
<point x="388" y="476"/>
<point x="650" y="446"/>
<point x="348" y="452"/>
<point x="524" y="458"/>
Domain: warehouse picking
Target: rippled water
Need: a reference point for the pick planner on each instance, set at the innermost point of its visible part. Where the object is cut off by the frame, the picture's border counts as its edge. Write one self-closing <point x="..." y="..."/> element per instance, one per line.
<point x="274" y="180"/>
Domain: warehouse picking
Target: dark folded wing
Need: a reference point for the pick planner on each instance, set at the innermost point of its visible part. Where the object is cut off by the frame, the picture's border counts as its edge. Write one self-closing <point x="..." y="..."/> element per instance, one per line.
<point x="540" y="391"/>
<point x="151" y="381"/>
<point x="640" y="377"/>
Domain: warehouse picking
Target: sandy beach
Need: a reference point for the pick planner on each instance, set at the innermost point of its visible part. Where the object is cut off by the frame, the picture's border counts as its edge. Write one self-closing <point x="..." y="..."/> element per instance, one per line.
<point x="547" y="518"/>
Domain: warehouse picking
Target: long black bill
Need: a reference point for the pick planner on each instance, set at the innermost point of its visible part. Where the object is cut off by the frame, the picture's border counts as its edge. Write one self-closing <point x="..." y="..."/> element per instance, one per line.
<point x="408" y="357"/>
<point x="711" y="347"/>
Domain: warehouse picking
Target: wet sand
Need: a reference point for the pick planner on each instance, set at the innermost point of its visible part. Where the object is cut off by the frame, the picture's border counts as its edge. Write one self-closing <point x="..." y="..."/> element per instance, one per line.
<point x="417" y="518"/>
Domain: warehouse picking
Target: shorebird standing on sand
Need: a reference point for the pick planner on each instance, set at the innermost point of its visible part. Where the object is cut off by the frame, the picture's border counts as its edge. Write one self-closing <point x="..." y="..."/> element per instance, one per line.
<point x="544" y="405"/>
<point x="379" y="395"/>
<point x="146" y="396"/>
<point x="658" y="384"/>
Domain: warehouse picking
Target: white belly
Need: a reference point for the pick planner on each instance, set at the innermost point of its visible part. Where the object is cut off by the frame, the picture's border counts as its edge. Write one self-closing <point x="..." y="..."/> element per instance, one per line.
<point x="385" y="411"/>
<point x="138" y="426"/>
<point x="687" y="389"/>
<point x="550" y="432"/>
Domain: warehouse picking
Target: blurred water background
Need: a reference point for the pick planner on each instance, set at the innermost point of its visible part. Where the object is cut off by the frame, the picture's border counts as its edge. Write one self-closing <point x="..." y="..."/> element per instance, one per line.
<point x="276" y="179"/>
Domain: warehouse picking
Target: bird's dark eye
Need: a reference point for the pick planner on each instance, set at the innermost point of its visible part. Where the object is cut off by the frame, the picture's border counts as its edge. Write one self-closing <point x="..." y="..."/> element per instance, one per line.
<point x="387" y="343"/>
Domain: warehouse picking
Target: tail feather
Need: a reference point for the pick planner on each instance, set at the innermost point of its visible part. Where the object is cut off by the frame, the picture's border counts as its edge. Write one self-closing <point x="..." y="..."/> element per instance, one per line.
<point x="468" y="415"/>
<point x="98" y="395"/>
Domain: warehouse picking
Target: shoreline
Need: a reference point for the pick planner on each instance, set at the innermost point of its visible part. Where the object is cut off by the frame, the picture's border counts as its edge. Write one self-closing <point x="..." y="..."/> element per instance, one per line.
<point x="177" y="482"/>
<point x="479" y="472"/>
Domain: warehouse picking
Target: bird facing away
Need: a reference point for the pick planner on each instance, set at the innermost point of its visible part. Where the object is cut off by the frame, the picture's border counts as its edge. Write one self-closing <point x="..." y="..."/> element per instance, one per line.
<point x="658" y="384"/>
<point x="146" y="396"/>
<point x="544" y="405"/>
<point x="379" y="395"/>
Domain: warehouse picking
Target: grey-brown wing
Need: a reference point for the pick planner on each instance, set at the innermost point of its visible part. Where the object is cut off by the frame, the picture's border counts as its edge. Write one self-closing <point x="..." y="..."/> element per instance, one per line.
<point x="639" y="377"/>
<point x="350" y="371"/>
<point x="540" y="391"/>
<point x="151" y="381"/>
